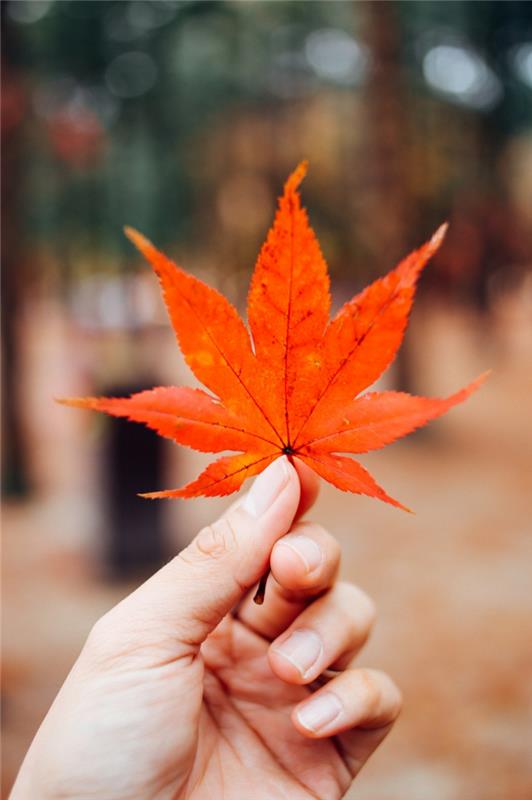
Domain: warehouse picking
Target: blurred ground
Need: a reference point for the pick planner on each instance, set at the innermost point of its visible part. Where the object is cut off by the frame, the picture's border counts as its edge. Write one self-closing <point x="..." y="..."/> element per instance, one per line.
<point x="452" y="583"/>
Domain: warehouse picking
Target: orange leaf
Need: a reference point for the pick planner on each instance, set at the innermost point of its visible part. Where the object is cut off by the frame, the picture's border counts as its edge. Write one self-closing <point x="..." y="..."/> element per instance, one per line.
<point x="288" y="308"/>
<point x="188" y="416"/>
<point x="363" y="338"/>
<point x="346" y="474"/>
<point x="290" y="385"/>
<point x="379" y="418"/>
<point x="221" y="477"/>
<point x="213" y="339"/>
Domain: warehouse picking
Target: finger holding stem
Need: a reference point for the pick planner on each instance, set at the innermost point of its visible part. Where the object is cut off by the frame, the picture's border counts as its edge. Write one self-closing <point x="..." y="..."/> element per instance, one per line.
<point x="309" y="492"/>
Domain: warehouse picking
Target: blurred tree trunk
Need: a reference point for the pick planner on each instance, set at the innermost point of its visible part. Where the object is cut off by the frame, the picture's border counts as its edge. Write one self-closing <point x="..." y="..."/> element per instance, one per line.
<point x="14" y="473"/>
<point x="132" y="462"/>
<point x="387" y="211"/>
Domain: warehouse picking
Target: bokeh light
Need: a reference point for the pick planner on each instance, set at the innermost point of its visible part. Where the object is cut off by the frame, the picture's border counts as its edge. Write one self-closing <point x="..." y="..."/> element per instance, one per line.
<point x="131" y="74"/>
<point x="337" y="56"/>
<point x="459" y="73"/>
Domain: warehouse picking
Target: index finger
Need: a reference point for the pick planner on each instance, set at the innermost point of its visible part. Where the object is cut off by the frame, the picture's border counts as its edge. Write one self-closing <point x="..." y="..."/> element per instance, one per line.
<point x="310" y="487"/>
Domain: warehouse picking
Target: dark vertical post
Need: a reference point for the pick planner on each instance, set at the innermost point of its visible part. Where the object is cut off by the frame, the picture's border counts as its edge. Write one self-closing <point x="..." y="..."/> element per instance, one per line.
<point x="132" y="463"/>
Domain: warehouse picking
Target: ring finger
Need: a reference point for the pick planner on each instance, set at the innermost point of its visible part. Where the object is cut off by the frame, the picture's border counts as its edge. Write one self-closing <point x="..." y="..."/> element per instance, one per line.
<point x="329" y="632"/>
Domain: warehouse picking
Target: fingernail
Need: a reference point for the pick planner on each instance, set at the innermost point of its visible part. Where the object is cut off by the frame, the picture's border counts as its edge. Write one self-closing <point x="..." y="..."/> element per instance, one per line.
<point x="319" y="712"/>
<point x="267" y="488"/>
<point x="302" y="649"/>
<point x="307" y="550"/>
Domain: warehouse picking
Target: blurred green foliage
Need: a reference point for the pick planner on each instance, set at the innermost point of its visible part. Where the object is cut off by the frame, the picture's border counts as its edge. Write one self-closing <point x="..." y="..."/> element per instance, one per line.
<point x="124" y="99"/>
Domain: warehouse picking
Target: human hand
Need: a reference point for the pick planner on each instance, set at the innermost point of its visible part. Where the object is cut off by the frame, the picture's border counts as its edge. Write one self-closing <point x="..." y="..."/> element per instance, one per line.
<point x="174" y="696"/>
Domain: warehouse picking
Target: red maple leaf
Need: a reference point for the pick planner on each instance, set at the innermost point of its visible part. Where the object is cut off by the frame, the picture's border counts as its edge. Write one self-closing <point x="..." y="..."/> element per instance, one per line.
<point x="292" y="383"/>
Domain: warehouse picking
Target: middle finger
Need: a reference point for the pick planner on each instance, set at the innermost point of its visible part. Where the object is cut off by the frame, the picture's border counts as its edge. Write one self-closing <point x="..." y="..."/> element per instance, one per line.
<point x="304" y="564"/>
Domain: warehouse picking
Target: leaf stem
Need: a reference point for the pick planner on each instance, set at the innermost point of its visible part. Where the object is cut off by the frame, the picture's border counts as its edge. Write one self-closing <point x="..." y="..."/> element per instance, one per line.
<point x="261" y="589"/>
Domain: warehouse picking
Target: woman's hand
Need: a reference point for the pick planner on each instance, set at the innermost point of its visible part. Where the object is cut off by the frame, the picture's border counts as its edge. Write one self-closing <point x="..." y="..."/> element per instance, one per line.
<point x="187" y="689"/>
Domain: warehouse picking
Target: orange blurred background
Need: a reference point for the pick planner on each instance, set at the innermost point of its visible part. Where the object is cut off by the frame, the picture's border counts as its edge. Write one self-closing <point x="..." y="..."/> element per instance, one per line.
<point x="183" y="119"/>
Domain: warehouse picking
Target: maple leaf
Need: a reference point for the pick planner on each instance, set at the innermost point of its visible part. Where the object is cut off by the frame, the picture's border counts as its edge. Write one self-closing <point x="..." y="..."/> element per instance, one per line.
<point x="291" y="384"/>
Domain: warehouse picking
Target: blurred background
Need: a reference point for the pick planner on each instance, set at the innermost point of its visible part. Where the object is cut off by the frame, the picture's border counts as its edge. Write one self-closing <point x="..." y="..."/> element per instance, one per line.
<point x="183" y="119"/>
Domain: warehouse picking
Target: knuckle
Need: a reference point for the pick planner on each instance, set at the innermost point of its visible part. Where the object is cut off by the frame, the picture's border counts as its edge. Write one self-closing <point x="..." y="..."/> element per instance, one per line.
<point x="312" y="529"/>
<point x="115" y="641"/>
<point x="396" y="703"/>
<point x="384" y="700"/>
<point x="328" y="545"/>
<point x="370" y="609"/>
<point x="101" y="640"/>
<point x="359" y="606"/>
<point x="318" y="530"/>
<point x="371" y="690"/>
<point x="332" y="548"/>
<point x="215" y="541"/>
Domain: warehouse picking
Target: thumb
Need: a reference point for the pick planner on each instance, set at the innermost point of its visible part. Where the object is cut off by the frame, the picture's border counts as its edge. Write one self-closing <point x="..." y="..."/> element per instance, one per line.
<point x="190" y="595"/>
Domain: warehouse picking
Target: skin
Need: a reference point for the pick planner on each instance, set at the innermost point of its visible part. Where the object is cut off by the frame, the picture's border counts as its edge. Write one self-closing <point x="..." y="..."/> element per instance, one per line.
<point x="183" y="689"/>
